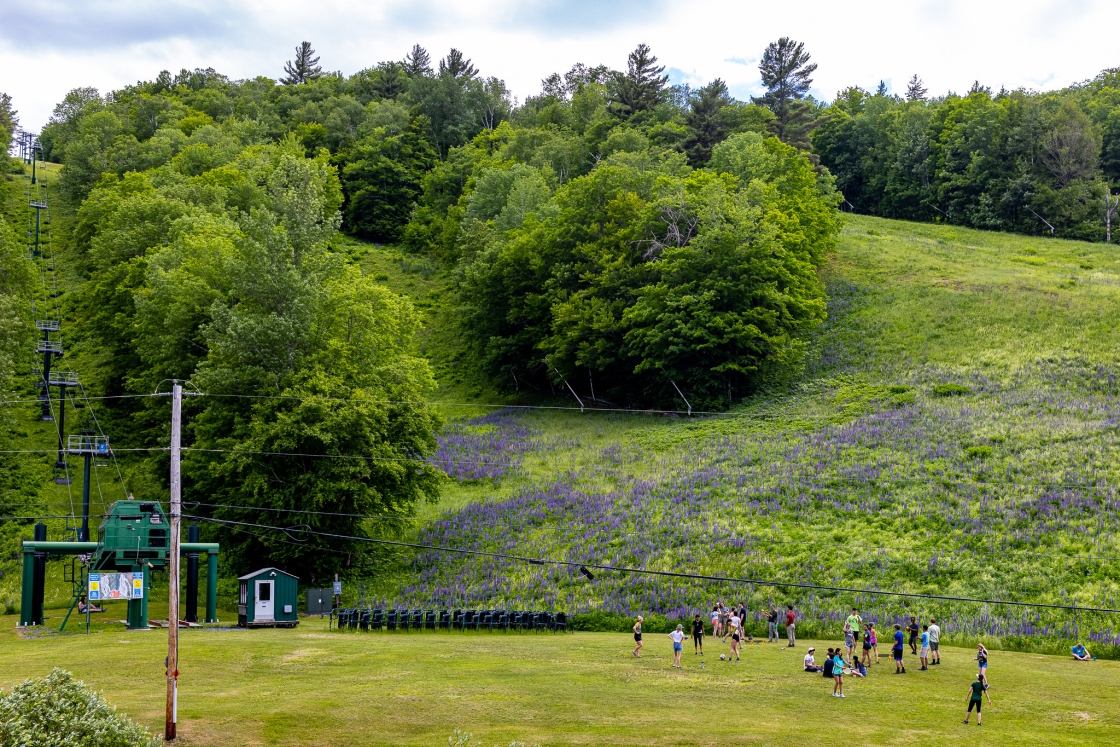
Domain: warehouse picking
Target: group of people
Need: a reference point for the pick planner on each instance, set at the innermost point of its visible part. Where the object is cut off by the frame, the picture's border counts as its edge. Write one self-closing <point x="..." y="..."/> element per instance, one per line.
<point x="924" y="641"/>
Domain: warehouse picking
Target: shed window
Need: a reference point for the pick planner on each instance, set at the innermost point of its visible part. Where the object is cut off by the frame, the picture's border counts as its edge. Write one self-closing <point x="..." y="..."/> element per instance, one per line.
<point x="265" y="592"/>
<point x="244" y="592"/>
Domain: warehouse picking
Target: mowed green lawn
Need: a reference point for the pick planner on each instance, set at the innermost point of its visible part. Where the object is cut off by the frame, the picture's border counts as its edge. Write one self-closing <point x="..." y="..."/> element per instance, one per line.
<point x="309" y="686"/>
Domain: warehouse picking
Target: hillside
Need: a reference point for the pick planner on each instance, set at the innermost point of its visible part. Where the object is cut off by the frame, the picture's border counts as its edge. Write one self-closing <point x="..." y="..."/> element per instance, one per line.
<point x="954" y="433"/>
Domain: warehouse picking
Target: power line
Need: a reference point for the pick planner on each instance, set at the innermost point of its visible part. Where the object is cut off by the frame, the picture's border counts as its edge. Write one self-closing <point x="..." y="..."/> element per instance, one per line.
<point x="668" y="574"/>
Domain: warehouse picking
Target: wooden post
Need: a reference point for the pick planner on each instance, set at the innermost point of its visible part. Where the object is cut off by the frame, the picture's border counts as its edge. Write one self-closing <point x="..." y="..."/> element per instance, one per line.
<point x="171" y="715"/>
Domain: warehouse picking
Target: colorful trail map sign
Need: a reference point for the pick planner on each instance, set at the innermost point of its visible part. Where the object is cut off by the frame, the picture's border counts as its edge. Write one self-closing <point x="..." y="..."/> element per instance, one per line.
<point x="104" y="586"/>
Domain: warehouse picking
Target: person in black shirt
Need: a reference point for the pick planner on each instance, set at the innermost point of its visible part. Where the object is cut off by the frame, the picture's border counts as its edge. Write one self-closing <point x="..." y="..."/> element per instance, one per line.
<point x="771" y="624"/>
<point x="913" y="629"/>
<point x="828" y="664"/>
<point x="698" y="635"/>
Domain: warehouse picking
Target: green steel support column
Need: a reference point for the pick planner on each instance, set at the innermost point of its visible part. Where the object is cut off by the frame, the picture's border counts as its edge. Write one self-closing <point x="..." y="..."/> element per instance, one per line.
<point x="26" y="605"/>
<point x="211" y="587"/>
<point x="138" y="608"/>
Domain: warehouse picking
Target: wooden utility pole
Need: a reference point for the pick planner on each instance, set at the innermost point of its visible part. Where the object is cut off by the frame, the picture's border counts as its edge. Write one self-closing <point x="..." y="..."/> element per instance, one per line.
<point x="173" y="568"/>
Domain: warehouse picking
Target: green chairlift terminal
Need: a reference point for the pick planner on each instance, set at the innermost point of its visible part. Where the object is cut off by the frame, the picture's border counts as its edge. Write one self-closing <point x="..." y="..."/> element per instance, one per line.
<point x="134" y="539"/>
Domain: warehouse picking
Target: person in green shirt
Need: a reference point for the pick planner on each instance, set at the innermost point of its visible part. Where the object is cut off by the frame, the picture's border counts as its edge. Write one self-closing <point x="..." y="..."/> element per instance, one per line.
<point x="854" y="623"/>
<point x="977" y="691"/>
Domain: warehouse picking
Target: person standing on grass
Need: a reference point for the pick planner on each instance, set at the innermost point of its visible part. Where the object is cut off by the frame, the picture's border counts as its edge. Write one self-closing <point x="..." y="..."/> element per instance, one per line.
<point x="771" y="624"/>
<point x="856" y="623"/>
<point x="874" y="640"/>
<point x="838" y="664"/>
<point x="912" y="628"/>
<point x="866" y="645"/>
<point x="899" y="668"/>
<point x="638" y="637"/>
<point x="977" y="691"/>
<point x="724" y="619"/>
<point x="677" y="636"/>
<point x="934" y="641"/>
<point x="697" y="636"/>
<point x="791" y="618"/>
<point x="982" y="660"/>
<point x="849" y="638"/>
<point x="715" y="620"/>
<point x="736" y="636"/>
<point x="923" y="657"/>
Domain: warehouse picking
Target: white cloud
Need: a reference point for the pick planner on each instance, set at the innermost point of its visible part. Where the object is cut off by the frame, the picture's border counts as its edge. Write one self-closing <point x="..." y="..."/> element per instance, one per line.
<point x="57" y="45"/>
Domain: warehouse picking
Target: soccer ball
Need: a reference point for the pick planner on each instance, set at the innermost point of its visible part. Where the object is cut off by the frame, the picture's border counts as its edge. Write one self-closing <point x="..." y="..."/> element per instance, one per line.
<point x="722" y="657"/>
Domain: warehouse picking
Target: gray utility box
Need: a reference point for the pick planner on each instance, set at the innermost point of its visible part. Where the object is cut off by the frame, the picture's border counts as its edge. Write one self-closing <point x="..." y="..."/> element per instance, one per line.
<point x="320" y="601"/>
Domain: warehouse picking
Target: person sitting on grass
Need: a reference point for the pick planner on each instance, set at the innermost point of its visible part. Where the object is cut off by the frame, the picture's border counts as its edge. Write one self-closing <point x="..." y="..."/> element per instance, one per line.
<point x="829" y="663"/>
<point x="677" y="636"/>
<point x="976" y="692"/>
<point x="1080" y="653"/>
<point x="811" y="662"/>
<point x="82" y="605"/>
<point x="859" y="669"/>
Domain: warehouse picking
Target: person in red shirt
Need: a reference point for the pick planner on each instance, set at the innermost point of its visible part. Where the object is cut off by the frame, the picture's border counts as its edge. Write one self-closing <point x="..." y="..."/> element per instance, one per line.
<point x="790" y="619"/>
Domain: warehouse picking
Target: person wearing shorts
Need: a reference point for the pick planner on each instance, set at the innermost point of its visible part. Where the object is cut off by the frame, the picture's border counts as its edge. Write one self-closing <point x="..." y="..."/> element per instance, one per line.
<point x="923" y="655"/>
<point x="934" y="642"/>
<point x="638" y="637"/>
<point x="874" y="640"/>
<point x="697" y="636"/>
<point x="899" y="668"/>
<point x="838" y="665"/>
<point x="855" y="622"/>
<point x="677" y="637"/>
<point x="982" y="660"/>
<point x="724" y="618"/>
<point x="849" y="639"/>
<point x="977" y="691"/>
<point x="736" y="635"/>
<point x="867" y="645"/>
<point x="791" y="618"/>
<point x="715" y="621"/>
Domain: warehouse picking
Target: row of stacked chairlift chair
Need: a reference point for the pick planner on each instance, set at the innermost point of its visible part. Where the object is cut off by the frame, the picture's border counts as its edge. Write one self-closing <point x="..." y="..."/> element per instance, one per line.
<point x="375" y="619"/>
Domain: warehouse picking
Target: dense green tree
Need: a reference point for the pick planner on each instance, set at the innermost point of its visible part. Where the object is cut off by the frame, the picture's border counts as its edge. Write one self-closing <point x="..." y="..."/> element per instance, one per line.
<point x="381" y="176"/>
<point x="706" y="124"/>
<point x="304" y="68"/>
<point x="642" y="87"/>
<point x="9" y="121"/>
<point x="786" y="73"/>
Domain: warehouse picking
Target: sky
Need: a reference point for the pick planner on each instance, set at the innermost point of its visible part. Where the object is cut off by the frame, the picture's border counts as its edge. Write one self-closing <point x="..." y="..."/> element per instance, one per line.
<point x="49" y="47"/>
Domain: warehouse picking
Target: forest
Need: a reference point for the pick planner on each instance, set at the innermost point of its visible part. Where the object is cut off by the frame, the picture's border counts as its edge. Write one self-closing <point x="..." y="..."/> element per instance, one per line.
<point x="660" y="242"/>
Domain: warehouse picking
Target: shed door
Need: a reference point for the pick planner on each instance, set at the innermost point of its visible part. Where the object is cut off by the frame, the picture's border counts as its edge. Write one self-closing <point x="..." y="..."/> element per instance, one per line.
<point x="265" y="601"/>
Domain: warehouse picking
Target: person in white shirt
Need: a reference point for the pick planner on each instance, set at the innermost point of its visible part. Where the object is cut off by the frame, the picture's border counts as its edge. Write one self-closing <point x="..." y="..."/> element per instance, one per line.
<point x="934" y="641"/>
<point x="811" y="662"/>
<point x="677" y="637"/>
<point x="736" y="635"/>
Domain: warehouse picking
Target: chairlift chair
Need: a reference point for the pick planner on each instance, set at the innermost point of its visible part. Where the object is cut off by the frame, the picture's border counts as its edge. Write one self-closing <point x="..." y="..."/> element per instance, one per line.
<point x="430" y="618"/>
<point x="561" y="622"/>
<point x="391" y="620"/>
<point x="377" y="620"/>
<point x="418" y="619"/>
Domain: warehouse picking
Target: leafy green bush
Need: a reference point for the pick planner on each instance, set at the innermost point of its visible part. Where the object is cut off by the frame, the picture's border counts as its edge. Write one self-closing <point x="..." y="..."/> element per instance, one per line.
<point x="978" y="452"/>
<point x="950" y="390"/>
<point x="59" y="710"/>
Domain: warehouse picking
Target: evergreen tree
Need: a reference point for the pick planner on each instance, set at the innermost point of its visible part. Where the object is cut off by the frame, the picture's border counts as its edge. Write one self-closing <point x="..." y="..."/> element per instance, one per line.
<point x="706" y="127"/>
<point x="916" y="89"/>
<point x="882" y="89"/>
<point x="642" y="87"/>
<point x="786" y="72"/>
<point x="418" y="62"/>
<point x="304" y="68"/>
<point x="9" y="121"/>
<point x="391" y="80"/>
<point x="455" y="66"/>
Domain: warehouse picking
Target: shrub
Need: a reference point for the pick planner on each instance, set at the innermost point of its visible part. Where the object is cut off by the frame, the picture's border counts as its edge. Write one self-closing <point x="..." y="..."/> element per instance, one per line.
<point x="978" y="452"/>
<point x="951" y="390"/>
<point x="59" y="711"/>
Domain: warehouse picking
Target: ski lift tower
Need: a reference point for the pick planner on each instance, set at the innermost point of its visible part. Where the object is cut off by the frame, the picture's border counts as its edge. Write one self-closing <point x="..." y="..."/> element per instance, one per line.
<point x="39" y="206"/>
<point x="95" y="450"/>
